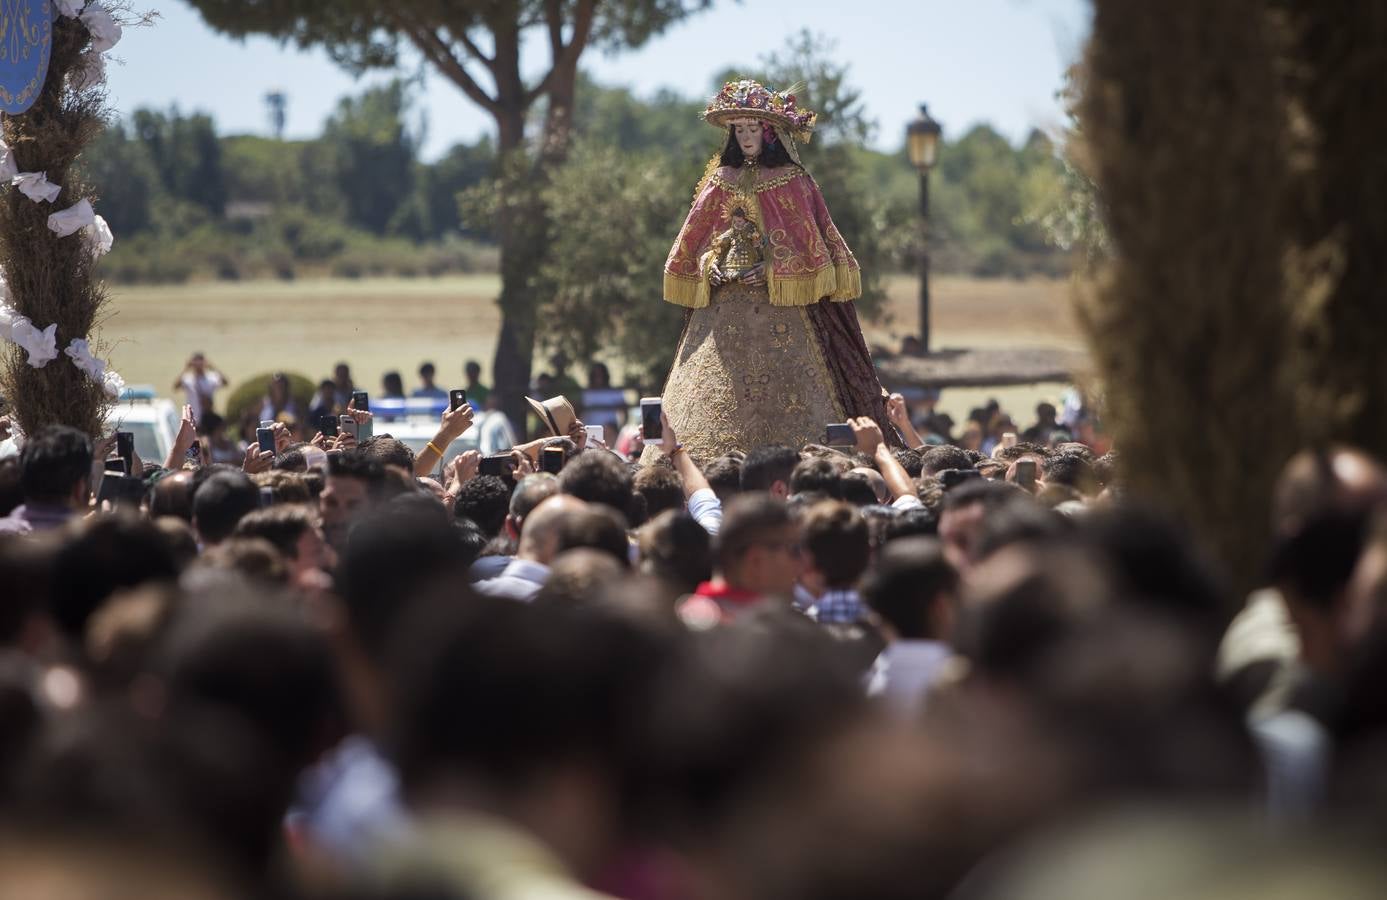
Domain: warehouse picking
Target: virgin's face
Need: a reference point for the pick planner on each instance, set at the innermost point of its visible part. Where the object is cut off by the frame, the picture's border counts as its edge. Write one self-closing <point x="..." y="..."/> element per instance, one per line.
<point x="748" y="135"/>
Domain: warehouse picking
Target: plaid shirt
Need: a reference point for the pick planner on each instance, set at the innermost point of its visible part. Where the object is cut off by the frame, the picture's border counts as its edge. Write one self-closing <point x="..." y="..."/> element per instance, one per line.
<point x="839" y="607"/>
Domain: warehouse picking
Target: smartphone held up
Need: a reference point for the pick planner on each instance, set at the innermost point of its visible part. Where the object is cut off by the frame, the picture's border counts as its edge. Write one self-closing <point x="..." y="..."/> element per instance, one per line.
<point x="652" y="429"/>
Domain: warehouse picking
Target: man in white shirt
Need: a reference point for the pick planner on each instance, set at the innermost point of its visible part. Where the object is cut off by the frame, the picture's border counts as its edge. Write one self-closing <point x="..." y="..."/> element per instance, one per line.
<point x="539" y="544"/>
<point x="199" y="380"/>
<point x="914" y="591"/>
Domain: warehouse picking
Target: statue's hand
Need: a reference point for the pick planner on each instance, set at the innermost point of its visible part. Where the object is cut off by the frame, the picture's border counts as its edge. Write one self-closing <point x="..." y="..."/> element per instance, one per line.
<point x="755" y="275"/>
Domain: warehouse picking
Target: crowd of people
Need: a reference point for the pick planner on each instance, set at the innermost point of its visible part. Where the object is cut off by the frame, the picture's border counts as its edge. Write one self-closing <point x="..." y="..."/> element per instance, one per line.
<point x="321" y="670"/>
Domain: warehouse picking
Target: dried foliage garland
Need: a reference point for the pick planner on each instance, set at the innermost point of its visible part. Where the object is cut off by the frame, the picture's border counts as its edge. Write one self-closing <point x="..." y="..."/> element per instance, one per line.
<point x="51" y="279"/>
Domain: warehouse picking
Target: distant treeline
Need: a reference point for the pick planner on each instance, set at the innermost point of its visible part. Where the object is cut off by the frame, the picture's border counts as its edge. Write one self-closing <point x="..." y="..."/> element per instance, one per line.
<point x="357" y="200"/>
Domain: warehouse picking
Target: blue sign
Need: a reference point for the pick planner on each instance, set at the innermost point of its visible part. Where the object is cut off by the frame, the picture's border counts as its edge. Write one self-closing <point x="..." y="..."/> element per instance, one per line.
<point x="26" y="37"/>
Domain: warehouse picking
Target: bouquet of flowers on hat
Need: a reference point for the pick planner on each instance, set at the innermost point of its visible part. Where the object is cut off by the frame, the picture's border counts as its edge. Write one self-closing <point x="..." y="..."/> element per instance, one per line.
<point x="751" y="98"/>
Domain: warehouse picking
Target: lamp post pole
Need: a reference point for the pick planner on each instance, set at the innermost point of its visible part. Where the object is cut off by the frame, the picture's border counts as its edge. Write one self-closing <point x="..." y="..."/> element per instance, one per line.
<point x="922" y="146"/>
<point x="924" y="261"/>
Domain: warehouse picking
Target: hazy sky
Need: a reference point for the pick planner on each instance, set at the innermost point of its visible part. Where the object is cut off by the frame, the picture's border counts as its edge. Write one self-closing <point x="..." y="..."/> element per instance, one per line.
<point x="999" y="61"/>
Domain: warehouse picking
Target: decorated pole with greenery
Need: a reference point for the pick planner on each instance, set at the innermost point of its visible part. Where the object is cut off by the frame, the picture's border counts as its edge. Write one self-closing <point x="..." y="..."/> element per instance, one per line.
<point x="50" y="236"/>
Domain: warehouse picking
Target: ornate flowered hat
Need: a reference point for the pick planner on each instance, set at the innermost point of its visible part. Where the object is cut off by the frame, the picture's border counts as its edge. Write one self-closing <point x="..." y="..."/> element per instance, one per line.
<point x="751" y="99"/>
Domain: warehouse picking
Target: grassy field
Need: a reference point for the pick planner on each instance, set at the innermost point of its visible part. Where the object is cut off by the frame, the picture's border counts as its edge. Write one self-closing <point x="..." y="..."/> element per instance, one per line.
<point x="382" y="324"/>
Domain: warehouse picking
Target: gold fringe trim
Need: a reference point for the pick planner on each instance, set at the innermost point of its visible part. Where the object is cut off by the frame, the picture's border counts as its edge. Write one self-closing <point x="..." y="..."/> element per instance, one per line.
<point x="680" y="290"/>
<point x="836" y="283"/>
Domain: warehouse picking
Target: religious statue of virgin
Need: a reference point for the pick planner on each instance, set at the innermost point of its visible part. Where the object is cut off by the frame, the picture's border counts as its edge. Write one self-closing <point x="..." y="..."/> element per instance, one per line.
<point x="771" y="350"/>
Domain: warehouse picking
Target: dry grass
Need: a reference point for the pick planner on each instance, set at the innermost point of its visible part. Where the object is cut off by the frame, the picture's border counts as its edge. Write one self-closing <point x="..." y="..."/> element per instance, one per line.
<point x="382" y="324"/>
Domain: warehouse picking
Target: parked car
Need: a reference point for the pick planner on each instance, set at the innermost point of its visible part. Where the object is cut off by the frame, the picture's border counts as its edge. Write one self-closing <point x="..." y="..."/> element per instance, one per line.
<point x="153" y="420"/>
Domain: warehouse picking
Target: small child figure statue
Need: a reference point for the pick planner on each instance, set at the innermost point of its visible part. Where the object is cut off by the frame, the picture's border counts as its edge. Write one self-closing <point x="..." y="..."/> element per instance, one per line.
<point x="739" y="247"/>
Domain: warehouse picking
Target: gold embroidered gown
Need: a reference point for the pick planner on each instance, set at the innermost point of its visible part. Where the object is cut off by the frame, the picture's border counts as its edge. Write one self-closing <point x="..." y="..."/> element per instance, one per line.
<point x="772" y="363"/>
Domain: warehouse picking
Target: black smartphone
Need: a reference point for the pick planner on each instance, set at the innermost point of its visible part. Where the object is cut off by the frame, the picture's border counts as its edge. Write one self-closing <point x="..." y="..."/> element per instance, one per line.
<point x="267" y="497"/>
<point x="115" y="466"/>
<point x="456" y="399"/>
<point x="361" y="401"/>
<point x="951" y="478"/>
<point x="551" y="460"/>
<point x="652" y="429"/>
<point x="500" y="464"/>
<point x="1025" y="473"/>
<point x="125" y="449"/>
<point x="327" y="426"/>
<point x="265" y="437"/>
<point x="121" y="490"/>
<point x="840" y="435"/>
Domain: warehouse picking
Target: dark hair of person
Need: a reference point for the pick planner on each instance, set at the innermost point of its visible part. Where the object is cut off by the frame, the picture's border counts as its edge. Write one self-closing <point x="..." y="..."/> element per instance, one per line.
<point x="772" y="155"/>
<point x="858" y="491"/>
<point x="579" y="576"/>
<point x="912" y="523"/>
<point x="904" y="586"/>
<point x="878" y="518"/>
<point x="220" y="502"/>
<point x="11" y="495"/>
<point x="26" y="571"/>
<point x="282" y="526"/>
<point x="209" y="423"/>
<point x="1075" y="448"/>
<point x="252" y="557"/>
<point x="724" y="476"/>
<point x="390" y="559"/>
<point x="104" y="555"/>
<point x="1160" y="569"/>
<point x="355" y="464"/>
<point x="945" y="456"/>
<point x="485" y="501"/>
<point x="180" y="539"/>
<point x="261" y="661"/>
<point x="1071" y="470"/>
<point x="288" y="487"/>
<point x="1017" y="520"/>
<point x="196" y="781"/>
<point x="55" y="459"/>
<point x="748" y="521"/>
<point x="993" y="494"/>
<point x="388" y="451"/>
<point x="464" y="666"/>
<point x="836" y="536"/>
<point x="1105" y="468"/>
<point x="1020" y="449"/>
<point x="597" y="476"/>
<point x="818" y="475"/>
<point x="471" y="541"/>
<point x="910" y="460"/>
<point x="764" y="466"/>
<point x="676" y="549"/>
<point x="662" y="489"/>
<point x="599" y="528"/>
<point x="291" y="460"/>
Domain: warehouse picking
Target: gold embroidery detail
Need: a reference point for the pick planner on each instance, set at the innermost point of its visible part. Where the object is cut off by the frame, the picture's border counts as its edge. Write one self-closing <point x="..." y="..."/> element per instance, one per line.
<point x="766" y="382"/>
<point x="769" y="184"/>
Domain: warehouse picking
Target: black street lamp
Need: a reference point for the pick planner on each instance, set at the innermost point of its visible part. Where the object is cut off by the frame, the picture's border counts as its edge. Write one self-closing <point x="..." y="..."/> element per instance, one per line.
<point x="922" y="146"/>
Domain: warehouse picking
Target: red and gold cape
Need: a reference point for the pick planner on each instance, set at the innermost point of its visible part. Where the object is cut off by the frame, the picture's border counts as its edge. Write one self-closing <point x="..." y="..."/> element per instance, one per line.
<point x="807" y="260"/>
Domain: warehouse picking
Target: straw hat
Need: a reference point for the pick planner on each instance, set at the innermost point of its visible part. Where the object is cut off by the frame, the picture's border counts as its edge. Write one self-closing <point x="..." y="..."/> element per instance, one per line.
<point x="748" y="99"/>
<point x="556" y="413"/>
